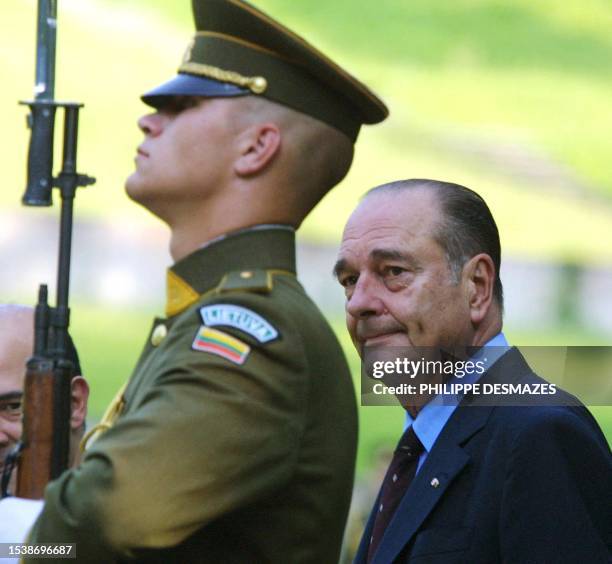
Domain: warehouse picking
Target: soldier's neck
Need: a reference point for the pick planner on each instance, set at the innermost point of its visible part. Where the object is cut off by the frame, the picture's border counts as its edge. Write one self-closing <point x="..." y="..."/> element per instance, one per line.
<point x="191" y="233"/>
<point x="185" y="239"/>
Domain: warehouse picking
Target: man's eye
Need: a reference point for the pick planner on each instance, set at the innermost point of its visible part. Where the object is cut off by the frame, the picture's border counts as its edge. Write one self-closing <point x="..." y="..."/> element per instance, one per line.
<point x="181" y="103"/>
<point x="10" y="408"/>
<point x="394" y="270"/>
<point x="397" y="277"/>
<point x="188" y="102"/>
<point x="347" y="281"/>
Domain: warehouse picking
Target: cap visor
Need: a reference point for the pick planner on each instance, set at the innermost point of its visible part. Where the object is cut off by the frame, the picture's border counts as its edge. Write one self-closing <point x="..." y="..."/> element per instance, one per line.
<point x="190" y="85"/>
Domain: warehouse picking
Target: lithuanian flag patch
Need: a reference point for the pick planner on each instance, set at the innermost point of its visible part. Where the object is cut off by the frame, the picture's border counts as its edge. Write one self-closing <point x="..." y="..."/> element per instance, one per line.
<point x="219" y="343"/>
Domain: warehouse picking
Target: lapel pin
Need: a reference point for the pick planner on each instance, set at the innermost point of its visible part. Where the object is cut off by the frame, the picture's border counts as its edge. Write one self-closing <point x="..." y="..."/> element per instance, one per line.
<point x="434" y="483"/>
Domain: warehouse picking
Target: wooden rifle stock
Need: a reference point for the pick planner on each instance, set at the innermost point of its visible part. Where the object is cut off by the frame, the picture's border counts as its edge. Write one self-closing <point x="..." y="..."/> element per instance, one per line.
<point x="45" y="440"/>
<point x="34" y="468"/>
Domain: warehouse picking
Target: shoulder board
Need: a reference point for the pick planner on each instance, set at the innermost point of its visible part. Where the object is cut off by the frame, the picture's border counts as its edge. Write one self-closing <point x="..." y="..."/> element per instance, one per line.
<point x="259" y="281"/>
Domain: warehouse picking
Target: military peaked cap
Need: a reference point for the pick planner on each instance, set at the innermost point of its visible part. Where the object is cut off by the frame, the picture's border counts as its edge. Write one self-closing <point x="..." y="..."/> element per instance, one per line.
<point x="238" y="50"/>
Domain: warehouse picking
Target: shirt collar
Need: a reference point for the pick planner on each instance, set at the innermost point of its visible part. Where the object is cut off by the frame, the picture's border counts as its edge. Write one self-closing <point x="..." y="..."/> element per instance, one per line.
<point x="431" y="419"/>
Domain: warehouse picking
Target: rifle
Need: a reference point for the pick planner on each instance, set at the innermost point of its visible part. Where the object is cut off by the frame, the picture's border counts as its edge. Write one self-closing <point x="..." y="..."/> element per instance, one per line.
<point x="42" y="453"/>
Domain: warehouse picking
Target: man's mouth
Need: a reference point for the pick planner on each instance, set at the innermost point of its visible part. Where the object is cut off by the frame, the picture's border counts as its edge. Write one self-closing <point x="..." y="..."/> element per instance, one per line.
<point x="379" y="338"/>
<point x="141" y="152"/>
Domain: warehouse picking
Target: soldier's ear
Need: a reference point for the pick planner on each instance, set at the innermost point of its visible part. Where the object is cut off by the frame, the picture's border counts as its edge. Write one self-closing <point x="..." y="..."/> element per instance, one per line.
<point x="258" y="146"/>
<point x="79" y="396"/>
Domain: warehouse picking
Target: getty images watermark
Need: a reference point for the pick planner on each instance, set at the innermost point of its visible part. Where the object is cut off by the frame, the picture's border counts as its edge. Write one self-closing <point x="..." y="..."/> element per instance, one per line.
<point x="487" y="376"/>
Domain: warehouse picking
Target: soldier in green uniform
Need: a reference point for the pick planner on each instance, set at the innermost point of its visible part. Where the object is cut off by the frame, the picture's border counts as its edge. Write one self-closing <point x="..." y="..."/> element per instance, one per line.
<point x="234" y="440"/>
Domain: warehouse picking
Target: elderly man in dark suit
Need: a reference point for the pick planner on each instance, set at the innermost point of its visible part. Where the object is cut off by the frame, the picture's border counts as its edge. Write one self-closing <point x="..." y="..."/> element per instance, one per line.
<point x="468" y="483"/>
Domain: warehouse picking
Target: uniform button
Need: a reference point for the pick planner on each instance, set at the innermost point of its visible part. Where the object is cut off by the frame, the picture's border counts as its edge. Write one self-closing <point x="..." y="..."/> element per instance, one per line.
<point x="434" y="483"/>
<point x="246" y="274"/>
<point x="380" y="508"/>
<point x="158" y="335"/>
<point x="394" y="478"/>
<point x="258" y="85"/>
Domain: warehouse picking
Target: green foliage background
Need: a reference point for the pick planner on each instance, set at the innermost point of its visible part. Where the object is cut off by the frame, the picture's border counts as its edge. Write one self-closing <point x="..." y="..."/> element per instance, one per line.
<point x="489" y="93"/>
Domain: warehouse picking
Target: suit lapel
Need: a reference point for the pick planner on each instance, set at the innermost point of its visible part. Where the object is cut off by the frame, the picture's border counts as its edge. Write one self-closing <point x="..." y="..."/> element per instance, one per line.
<point x="446" y="459"/>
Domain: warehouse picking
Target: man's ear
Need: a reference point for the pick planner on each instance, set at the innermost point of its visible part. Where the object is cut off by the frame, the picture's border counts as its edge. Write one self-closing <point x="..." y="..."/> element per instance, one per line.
<point x="479" y="273"/>
<point x="79" y="395"/>
<point x="258" y="146"/>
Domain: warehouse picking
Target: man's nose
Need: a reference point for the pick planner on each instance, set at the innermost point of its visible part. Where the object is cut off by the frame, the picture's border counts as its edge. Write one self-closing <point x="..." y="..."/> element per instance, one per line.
<point x="152" y="124"/>
<point x="365" y="300"/>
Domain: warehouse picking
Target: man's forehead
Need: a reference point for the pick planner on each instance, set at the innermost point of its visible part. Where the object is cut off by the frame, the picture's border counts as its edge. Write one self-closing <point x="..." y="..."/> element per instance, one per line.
<point x="12" y="375"/>
<point x="389" y="226"/>
<point x="16" y="344"/>
<point x="12" y="365"/>
<point x="349" y="260"/>
<point x="8" y="394"/>
<point x="12" y="368"/>
<point x="393" y="217"/>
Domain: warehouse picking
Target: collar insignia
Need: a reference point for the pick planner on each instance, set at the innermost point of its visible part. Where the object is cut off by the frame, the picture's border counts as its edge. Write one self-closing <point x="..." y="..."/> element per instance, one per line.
<point x="179" y="295"/>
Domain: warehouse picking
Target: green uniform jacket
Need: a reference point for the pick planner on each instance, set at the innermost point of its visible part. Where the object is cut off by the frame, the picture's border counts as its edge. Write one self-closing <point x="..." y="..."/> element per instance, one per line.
<point x="236" y="439"/>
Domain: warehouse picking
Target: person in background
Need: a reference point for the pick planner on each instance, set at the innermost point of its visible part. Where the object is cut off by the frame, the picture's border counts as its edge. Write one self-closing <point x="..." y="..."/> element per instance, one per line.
<point x="16" y="346"/>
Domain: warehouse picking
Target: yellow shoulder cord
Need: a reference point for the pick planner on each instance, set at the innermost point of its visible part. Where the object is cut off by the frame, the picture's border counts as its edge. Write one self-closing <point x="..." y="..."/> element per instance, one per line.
<point x="107" y="421"/>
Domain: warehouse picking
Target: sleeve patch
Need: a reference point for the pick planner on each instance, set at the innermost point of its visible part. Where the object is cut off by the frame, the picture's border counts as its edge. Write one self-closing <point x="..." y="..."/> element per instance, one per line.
<point x="219" y="343"/>
<point x="239" y="318"/>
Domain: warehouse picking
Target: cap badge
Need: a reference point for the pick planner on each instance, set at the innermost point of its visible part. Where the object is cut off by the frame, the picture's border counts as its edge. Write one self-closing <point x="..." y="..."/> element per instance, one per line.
<point x="188" y="51"/>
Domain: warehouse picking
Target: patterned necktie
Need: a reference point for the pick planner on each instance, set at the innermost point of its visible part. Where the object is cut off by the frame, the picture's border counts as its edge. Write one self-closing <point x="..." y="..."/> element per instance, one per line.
<point x="397" y="480"/>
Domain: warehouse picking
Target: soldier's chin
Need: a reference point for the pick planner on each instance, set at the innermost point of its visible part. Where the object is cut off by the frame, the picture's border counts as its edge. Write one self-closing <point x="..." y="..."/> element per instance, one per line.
<point x="154" y="204"/>
<point x="133" y="187"/>
<point x="138" y="192"/>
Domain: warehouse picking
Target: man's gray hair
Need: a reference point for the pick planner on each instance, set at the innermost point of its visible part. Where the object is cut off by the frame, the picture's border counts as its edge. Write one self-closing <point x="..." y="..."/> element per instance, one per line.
<point x="467" y="227"/>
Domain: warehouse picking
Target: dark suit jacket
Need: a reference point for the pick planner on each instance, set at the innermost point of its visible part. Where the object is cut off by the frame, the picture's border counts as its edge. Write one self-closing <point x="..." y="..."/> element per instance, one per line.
<point x="513" y="484"/>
